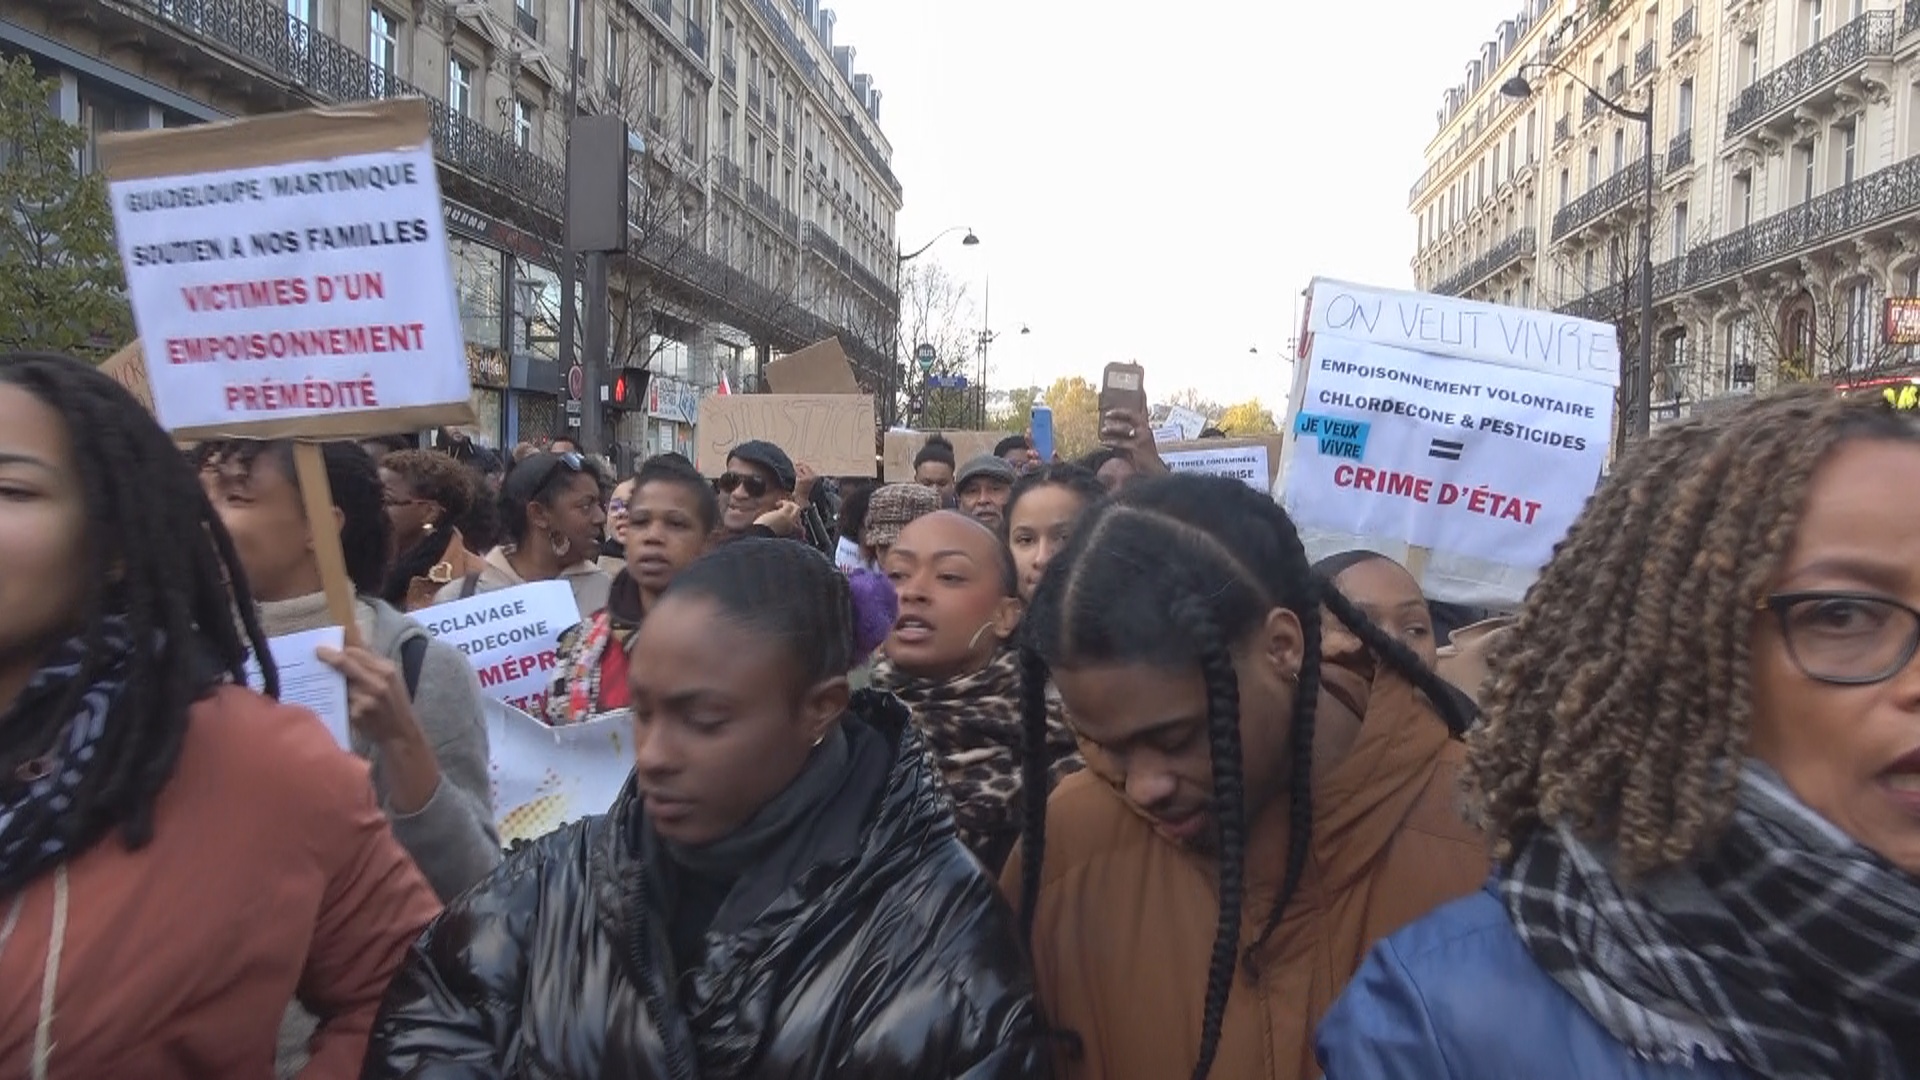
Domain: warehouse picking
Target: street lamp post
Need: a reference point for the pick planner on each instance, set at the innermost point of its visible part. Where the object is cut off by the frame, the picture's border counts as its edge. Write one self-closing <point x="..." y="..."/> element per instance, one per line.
<point x="893" y="349"/>
<point x="1640" y="389"/>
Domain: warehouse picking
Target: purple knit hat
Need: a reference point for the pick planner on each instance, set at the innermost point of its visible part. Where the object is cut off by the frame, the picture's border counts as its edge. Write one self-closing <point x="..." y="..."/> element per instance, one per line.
<point x="875" y="607"/>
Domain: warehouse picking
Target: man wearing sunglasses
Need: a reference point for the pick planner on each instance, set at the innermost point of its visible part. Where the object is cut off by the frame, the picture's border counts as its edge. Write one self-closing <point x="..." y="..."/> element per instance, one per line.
<point x="762" y="487"/>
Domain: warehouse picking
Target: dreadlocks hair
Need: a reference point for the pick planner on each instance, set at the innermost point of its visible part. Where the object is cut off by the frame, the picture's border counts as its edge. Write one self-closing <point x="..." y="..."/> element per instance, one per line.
<point x="1176" y="571"/>
<point x="157" y="555"/>
<point x="675" y="470"/>
<point x="365" y="530"/>
<point x="1624" y="690"/>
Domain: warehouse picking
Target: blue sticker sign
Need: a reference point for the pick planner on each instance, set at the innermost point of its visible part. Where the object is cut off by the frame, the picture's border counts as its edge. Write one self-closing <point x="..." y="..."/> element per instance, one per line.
<point x="1338" y="437"/>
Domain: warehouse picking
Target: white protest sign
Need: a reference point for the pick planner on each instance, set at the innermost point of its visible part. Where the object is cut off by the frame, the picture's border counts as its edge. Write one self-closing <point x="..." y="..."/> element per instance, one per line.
<point x="289" y="274"/>
<point x="1471" y="430"/>
<point x="306" y="681"/>
<point x="544" y="777"/>
<point x="1244" y="463"/>
<point x="1185" y="421"/>
<point x="509" y="637"/>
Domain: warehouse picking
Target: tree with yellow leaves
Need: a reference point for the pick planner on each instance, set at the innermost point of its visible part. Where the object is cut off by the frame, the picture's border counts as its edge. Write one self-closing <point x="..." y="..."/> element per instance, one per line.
<point x="1076" y="416"/>
<point x="1247" y="418"/>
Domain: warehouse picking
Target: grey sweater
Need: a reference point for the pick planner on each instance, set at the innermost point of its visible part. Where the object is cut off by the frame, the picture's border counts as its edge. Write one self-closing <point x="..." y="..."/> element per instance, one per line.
<point x="452" y="838"/>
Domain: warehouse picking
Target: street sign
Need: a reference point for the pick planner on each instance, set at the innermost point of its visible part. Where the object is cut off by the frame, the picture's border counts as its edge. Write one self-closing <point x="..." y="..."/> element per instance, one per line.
<point x="925" y="354"/>
<point x="946" y="382"/>
<point x="576" y="382"/>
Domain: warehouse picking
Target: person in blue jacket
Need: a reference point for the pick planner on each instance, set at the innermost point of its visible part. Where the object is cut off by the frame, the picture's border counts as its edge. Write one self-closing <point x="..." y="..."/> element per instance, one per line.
<point x="1701" y="774"/>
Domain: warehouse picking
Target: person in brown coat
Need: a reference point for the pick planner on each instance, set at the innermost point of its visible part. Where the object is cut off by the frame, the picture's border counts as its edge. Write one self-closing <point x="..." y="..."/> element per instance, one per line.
<point x="1253" y="817"/>
<point x="180" y="856"/>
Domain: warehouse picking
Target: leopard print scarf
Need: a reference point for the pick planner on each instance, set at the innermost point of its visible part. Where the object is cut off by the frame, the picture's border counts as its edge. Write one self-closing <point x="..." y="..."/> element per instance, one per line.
<point x="973" y="727"/>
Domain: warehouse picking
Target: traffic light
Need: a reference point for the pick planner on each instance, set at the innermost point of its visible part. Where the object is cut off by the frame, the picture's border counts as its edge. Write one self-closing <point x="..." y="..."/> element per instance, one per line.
<point x="629" y="389"/>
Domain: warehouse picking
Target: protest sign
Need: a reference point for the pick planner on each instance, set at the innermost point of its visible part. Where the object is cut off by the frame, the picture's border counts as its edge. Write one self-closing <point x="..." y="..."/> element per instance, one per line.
<point x="899" y="447"/>
<point x="545" y="777"/>
<point x="1473" y="431"/>
<point x="308" y="682"/>
<point x="289" y="273"/>
<point x="509" y="637"/>
<point x="820" y="368"/>
<point x="1185" y="421"/>
<point x="1256" y="460"/>
<point x="831" y="432"/>
<point x="128" y="367"/>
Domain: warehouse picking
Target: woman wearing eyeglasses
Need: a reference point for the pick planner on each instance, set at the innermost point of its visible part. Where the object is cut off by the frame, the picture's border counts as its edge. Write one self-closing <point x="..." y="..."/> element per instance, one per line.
<point x="1701" y="773"/>
<point x="550" y="514"/>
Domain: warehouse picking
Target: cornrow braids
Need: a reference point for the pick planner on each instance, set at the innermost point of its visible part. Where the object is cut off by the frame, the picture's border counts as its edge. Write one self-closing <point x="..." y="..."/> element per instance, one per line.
<point x="784" y="590"/>
<point x="1623" y="692"/>
<point x="157" y="556"/>
<point x="1220" y="557"/>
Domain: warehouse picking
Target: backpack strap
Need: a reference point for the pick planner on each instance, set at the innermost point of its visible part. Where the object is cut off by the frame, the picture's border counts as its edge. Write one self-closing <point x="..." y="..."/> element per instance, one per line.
<point x="469" y="585"/>
<point x="413" y="656"/>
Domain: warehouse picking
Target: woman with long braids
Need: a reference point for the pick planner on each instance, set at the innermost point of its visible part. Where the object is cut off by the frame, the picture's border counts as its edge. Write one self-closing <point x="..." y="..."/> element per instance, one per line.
<point x="778" y="892"/>
<point x="179" y="856"/>
<point x="1701" y="774"/>
<point x="427" y="495"/>
<point x="1252" y="816"/>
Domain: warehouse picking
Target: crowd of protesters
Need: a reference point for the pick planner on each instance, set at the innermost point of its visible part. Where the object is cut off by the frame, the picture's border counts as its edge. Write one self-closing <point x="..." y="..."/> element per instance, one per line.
<point x="1016" y="768"/>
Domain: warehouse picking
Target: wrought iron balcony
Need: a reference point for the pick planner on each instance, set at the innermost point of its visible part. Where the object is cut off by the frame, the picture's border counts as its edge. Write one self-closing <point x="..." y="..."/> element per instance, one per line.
<point x="1680" y="151"/>
<point x="523" y="21"/>
<point x="762" y="200"/>
<point x="697" y="39"/>
<point x="1590" y="108"/>
<point x="1609" y="194"/>
<point x="1684" y="30"/>
<point x="1520" y="244"/>
<point x="730" y="71"/>
<point x="1617" y="82"/>
<point x="729" y="175"/>
<point x="1879" y="198"/>
<point x="825" y="248"/>
<point x="262" y="35"/>
<point x="1775" y="94"/>
<point x="1643" y="60"/>
<point x="772" y="112"/>
<point x="1562" y="130"/>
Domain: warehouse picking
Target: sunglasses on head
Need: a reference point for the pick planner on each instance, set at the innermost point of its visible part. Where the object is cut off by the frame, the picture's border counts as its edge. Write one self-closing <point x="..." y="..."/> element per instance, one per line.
<point x="570" y="461"/>
<point x="756" y="487"/>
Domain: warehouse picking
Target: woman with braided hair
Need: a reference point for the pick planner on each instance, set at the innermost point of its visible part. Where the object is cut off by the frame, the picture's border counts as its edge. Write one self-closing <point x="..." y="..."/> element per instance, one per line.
<point x="779" y="891"/>
<point x="1701" y="775"/>
<point x="180" y="857"/>
<point x="1253" y="815"/>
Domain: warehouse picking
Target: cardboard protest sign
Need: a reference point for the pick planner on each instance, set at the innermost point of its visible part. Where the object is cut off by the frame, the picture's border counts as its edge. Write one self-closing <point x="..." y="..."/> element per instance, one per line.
<point x="1472" y="431"/>
<point x="1254" y="460"/>
<point x="831" y="432"/>
<point x="820" y="368"/>
<point x="509" y="637"/>
<point x="899" y="447"/>
<point x="545" y="777"/>
<point x="128" y="367"/>
<point x="289" y="273"/>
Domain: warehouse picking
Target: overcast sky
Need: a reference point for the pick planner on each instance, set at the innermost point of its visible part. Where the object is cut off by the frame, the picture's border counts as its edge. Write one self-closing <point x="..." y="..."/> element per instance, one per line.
<point x="1158" y="182"/>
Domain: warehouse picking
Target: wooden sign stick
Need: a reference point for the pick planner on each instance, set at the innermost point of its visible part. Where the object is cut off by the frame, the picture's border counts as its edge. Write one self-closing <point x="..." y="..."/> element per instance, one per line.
<point x="317" y="495"/>
<point x="1417" y="563"/>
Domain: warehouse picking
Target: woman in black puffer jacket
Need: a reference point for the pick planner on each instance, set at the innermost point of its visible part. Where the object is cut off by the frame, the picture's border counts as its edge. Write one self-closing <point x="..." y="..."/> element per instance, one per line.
<point x="779" y="893"/>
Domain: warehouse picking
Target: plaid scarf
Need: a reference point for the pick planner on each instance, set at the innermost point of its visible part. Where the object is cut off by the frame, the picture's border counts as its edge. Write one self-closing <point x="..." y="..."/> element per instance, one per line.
<point x="1788" y="948"/>
<point x="35" y="798"/>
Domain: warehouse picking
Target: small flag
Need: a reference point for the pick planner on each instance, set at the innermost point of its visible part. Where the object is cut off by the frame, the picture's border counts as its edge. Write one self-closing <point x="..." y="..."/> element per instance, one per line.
<point x="725" y="387"/>
<point x="1445" y="451"/>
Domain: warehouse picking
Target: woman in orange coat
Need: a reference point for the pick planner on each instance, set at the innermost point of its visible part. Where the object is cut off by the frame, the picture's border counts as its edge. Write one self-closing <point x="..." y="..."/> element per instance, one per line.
<point x="180" y="857"/>
<point x="1253" y="817"/>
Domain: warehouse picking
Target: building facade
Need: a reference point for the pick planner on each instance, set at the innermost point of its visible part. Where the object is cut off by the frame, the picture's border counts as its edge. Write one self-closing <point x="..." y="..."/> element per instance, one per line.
<point x="1786" y="202"/>
<point x="761" y="201"/>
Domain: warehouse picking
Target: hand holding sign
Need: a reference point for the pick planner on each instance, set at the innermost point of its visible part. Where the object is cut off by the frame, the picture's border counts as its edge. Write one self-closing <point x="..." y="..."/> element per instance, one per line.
<point x="381" y="710"/>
